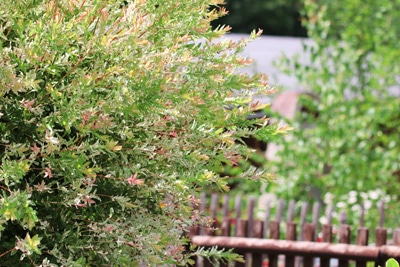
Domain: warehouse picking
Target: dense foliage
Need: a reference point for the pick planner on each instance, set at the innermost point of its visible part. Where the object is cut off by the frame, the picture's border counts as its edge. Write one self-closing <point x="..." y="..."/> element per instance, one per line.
<point x="275" y="17"/>
<point x="347" y="149"/>
<point x="113" y="116"/>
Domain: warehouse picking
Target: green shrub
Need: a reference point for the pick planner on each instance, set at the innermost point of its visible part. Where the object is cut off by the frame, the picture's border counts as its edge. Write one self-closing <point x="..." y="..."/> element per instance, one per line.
<point x="113" y="116"/>
<point x="352" y="151"/>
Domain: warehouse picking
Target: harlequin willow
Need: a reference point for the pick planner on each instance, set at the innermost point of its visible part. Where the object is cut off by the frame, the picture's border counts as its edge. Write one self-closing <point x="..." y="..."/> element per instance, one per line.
<point x="112" y="120"/>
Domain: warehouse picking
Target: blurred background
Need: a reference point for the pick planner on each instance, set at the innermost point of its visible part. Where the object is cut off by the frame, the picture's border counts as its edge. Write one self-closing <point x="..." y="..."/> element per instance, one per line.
<point x="283" y="35"/>
<point x="335" y="64"/>
<point x="278" y="17"/>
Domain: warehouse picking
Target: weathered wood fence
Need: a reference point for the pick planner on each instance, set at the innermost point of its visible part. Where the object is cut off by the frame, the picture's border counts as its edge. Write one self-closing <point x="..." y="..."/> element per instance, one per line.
<point x="274" y="241"/>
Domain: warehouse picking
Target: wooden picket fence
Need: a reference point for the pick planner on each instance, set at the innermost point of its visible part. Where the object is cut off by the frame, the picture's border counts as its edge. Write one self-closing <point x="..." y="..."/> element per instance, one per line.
<point x="273" y="241"/>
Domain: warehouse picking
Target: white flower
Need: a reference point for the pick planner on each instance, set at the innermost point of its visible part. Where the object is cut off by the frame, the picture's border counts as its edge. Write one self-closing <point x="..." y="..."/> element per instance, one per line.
<point x="341" y="205"/>
<point x="367" y="204"/>
<point x="353" y="193"/>
<point x="352" y="199"/>
<point x="323" y="220"/>
<point x="375" y="194"/>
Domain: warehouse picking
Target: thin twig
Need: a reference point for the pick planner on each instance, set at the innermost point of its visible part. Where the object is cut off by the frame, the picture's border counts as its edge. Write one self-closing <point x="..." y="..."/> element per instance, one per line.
<point x="8" y="251"/>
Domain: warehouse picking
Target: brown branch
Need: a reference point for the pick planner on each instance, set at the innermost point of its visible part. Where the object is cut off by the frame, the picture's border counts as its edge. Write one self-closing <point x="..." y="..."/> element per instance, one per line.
<point x="8" y="251"/>
<point x="8" y="190"/>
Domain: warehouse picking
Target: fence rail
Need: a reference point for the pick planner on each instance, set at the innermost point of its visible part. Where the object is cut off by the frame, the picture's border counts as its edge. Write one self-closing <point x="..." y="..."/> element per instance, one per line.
<point x="293" y="242"/>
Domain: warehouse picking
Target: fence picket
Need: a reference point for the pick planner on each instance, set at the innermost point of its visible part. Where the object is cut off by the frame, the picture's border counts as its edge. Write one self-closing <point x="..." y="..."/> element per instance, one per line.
<point x="309" y="235"/>
<point x="303" y="215"/>
<point x="396" y="237"/>
<point x="250" y="228"/>
<point x="238" y="211"/>
<point x="327" y="238"/>
<point x="274" y="233"/>
<point x="290" y="214"/>
<point x="267" y="218"/>
<point x="241" y="227"/>
<point x="362" y="240"/>
<point x="226" y="220"/>
<point x="380" y="236"/>
<point x="344" y="238"/>
<point x="257" y="258"/>
<point x="290" y="235"/>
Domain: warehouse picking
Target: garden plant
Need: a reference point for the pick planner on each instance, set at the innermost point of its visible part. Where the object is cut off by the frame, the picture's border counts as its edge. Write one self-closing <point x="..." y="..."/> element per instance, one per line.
<point x="114" y="115"/>
<point x="348" y="155"/>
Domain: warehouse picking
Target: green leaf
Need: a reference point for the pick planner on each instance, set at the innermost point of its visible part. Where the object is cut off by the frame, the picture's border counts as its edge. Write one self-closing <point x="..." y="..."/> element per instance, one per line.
<point x="392" y="263"/>
<point x="33" y="243"/>
<point x="10" y="210"/>
<point x="30" y="217"/>
<point x="29" y="245"/>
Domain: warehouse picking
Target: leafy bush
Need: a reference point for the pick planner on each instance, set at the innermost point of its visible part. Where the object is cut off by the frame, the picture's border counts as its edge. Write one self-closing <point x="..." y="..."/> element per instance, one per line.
<point x="353" y="146"/>
<point x="113" y="116"/>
